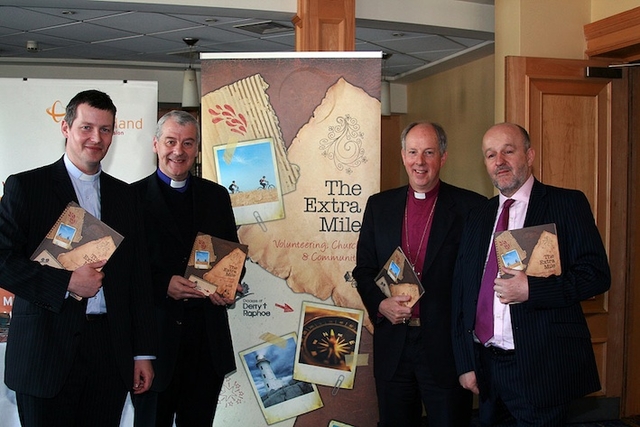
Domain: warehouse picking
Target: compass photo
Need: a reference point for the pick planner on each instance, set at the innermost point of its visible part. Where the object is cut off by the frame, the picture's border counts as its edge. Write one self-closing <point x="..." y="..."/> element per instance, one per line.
<point x="328" y="347"/>
<point x="327" y="340"/>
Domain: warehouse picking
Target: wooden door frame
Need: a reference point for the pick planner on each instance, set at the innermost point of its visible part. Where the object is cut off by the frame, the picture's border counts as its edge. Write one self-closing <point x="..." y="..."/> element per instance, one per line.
<point x="524" y="78"/>
<point x="631" y="392"/>
<point x="617" y="39"/>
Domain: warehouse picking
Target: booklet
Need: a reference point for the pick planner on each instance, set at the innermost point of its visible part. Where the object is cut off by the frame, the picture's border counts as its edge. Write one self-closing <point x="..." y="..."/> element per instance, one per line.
<point x="215" y="265"/>
<point x="398" y="277"/>
<point x="77" y="238"/>
<point x="531" y="249"/>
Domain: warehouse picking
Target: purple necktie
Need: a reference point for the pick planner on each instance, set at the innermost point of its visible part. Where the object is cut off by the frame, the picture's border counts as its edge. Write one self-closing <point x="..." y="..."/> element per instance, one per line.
<point x="484" y="310"/>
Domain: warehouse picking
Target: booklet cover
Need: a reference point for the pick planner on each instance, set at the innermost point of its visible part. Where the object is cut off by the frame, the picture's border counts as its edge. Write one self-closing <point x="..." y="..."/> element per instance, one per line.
<point x="215" y="265"/>
<point x="77" y="238"/>
<point x="398" y="277"/>
<point x="531" y="249"/>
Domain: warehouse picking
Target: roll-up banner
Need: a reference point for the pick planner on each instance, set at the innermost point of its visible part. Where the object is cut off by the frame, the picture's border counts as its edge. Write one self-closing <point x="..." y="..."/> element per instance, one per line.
<point x="295" y="137"/>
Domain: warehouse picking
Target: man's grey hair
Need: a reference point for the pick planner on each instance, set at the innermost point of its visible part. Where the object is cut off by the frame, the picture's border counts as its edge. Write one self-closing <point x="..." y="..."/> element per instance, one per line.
<point x="182" y="118"/>
<point x="440" y="134"/>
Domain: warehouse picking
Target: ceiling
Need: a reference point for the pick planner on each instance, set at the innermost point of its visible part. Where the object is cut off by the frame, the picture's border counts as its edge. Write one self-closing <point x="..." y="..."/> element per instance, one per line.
<point x="69" y="31"/>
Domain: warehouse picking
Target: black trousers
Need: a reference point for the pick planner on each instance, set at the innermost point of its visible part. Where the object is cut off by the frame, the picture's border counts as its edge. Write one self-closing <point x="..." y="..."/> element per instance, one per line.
<point x="400" y="399"/>
<point x="502" y="402"/>
<point x="192" y="395"/>
<point x="93" y="395"/>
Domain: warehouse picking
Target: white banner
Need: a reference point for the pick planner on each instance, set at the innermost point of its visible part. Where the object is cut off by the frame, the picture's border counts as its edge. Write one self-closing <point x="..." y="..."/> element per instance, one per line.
<point x="30" y="136"/>
<point x="32" y="110"/>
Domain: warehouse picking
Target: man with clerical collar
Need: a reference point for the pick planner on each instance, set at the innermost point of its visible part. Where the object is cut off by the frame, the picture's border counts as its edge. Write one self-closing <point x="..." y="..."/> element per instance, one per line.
<point x="195" y="350"/>
<point x="413" y="355"/>
<point x="79" y="340"/>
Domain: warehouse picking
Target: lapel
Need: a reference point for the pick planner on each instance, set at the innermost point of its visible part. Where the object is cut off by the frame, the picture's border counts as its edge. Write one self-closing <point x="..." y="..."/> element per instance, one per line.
<point x="482" y="238"/>
<point x="62" y="186"/>
<point x="199" y="215"/>
<point x="537" y="205"/>
<point x="442" y="221"/>
<point x="109" y="206"/>
<point x="394" y="217"/>
<point x="156" y="207"/>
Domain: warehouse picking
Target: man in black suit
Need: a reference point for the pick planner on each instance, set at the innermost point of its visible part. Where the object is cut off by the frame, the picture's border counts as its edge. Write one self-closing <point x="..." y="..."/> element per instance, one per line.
<point x="537" y="355"/>
<point x="195" y="341"/>
<point x="71" y="362"/>
<point x="413" y="356"/>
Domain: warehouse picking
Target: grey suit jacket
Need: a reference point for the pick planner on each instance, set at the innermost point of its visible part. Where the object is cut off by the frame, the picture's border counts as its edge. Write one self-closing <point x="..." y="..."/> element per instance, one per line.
<point x="41" y="342"/>
<point x="380" y="235"/>
<point x="552" y="341"/>
<point x="169" y="249"/>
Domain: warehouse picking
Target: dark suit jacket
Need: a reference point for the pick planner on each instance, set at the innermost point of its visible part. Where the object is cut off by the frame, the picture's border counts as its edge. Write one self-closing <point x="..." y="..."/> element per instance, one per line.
<point x="41" y="341"/>
<point x="553" y="344"/>
<point x="380" y="235"/>
<point x="169" y="251"/>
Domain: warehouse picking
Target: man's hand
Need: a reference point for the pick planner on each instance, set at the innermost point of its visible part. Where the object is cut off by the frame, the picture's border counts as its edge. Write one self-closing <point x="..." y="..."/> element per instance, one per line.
<point x="142" y="376"/>
<point x="469" y="382"/>
<point x="514" y="289"/>
<point x="86" y="281"/>
<point x="395" y="309"/>
<point x="218" y="299"/>
<point x="181" y="288"/>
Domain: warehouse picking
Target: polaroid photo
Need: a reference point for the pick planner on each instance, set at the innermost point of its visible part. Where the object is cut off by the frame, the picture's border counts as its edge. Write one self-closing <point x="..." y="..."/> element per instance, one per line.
<point x="511" y="259"/>
<point x="394" y="271"/>
<point x="201" y="261"/>
<point x="249" y="171"/>
<point x="329" y="343"/>
<point x="269" y="367"/>
<point x="64" y="236"/>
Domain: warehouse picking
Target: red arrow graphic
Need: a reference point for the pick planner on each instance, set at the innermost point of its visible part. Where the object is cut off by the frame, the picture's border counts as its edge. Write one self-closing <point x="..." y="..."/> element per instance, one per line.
<point x="286" y="307"/>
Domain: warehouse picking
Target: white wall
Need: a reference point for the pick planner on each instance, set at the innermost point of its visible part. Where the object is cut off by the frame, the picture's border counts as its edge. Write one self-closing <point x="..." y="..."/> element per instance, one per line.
<point x="169" y="80"/>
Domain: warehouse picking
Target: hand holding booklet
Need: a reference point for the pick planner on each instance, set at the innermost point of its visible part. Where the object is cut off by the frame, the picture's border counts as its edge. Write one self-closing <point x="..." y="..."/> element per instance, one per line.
<point x="530" y="249"/>
<point x="398" y="277"/>
<point x="215" y="265"/>
<point x="77" y="238"/>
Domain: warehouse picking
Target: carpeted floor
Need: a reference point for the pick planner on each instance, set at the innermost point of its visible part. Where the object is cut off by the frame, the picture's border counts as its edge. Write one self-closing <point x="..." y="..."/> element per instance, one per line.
<point x="613" y="423"/>
<point x="625" y="422"/>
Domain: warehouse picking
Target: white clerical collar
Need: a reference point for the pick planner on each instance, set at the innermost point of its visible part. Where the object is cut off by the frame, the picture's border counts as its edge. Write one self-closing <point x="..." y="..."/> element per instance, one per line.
<point x="178" y="184"/>
<point x="77" y="173"/>
<point x="421" y="196"/>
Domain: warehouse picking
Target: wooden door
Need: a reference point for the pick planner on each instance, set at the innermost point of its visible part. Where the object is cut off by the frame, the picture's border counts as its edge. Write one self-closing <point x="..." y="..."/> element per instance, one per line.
<point x="325" y="25"/>
<point x="631" y="391"/>
<point x="579" y="131"/>
<point x="392" y="172"/>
